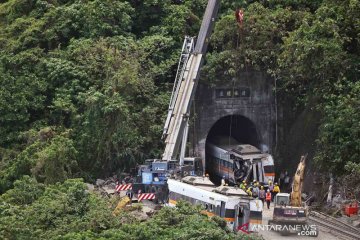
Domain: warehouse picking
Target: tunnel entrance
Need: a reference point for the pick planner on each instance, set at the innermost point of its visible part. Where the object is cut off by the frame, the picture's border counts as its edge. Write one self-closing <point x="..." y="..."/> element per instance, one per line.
<point x="229" y="130"/>
<point x="238" y="127"/>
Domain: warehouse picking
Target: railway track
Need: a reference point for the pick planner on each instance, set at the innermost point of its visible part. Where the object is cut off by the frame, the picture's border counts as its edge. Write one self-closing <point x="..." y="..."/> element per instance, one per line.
<point x="335" y="226"/>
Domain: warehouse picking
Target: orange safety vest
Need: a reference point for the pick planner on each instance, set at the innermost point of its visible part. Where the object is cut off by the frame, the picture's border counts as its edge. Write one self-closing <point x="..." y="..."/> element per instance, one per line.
<point x="268" y="196"/>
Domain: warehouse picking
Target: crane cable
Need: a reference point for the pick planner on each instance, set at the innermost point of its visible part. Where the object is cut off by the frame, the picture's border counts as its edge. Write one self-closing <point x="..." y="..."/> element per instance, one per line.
<point x="233" y="94"/>
<point x="233" y="85"/>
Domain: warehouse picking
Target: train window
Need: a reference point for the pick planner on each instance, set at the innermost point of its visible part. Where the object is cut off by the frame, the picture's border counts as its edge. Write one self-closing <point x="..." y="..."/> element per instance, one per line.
<point x="241" y="212"/>
<point x="211" y="208"/>
<point x="229" y="213"/>
<point x="206" y="206"/>
<point x="269" y="168"/>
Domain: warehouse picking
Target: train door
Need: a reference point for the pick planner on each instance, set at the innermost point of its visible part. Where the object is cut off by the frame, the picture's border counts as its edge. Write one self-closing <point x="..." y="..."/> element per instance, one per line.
<point x="257" y="171"/>
<point x="268" y="169"/>
<point x="220" y="208"/>
<point x="256" y="209"/>
<point x="242" y="217"/>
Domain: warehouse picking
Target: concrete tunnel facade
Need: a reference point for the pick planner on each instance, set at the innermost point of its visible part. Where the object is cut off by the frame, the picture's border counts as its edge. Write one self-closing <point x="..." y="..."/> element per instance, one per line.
<point x="243" y="108"/>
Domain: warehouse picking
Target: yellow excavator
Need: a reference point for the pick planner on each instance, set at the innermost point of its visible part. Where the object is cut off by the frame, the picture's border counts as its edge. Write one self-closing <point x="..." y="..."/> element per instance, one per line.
<point x="289" y="210"/>
<point x="121" y="205"/>
<point x="295" y="198"/>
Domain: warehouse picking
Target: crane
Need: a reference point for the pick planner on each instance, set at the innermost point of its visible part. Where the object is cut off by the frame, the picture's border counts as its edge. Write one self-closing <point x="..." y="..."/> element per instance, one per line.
<point x="155" y="171"/>
<point x="186" y="80"/>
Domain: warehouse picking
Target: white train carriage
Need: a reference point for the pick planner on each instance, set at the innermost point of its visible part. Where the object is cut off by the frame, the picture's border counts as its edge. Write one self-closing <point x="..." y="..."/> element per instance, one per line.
<point x="234" y="207"/>
<point x="239" y="162"/>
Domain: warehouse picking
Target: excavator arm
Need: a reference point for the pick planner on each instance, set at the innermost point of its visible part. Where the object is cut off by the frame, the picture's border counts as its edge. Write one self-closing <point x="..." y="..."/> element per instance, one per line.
<point x="295" y="200"/>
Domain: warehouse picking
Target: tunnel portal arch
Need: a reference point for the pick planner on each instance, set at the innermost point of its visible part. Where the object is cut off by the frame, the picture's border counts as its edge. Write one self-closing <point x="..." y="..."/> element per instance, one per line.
<point x="227" y="129"/>
<point x="252" y="113"/>
<point x="238" y="127"/>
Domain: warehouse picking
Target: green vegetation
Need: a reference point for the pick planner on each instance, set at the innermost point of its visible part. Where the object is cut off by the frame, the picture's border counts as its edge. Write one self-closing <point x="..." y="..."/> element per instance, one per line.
<point x="85" y="84"/>
<point x="68" y="211"/>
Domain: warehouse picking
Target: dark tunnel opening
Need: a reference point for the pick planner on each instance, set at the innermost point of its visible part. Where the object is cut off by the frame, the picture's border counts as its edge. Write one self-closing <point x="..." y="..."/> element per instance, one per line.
<point x="240" y="128"/>
<point x="227" y="129"/>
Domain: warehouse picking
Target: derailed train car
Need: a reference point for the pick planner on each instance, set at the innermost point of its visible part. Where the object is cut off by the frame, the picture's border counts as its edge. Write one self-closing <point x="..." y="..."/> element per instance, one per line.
<point x="238" y="162"/>
<point x="239" y="210"/>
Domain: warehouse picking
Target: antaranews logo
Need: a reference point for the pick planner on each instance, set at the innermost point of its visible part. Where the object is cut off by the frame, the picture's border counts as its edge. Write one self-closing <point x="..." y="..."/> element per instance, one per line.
<point x="308" y="230"/>
<point x="244" y="228"/>
<point x="301" y="230"/>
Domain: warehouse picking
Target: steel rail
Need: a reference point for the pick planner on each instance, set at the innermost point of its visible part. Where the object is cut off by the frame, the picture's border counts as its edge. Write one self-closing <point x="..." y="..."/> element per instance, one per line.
<point x="334" y="226"/>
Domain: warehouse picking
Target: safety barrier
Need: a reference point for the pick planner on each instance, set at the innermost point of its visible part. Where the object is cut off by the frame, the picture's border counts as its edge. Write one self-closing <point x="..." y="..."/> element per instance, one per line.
<point x="146" y="196"/>
<point x="123" y="187"/>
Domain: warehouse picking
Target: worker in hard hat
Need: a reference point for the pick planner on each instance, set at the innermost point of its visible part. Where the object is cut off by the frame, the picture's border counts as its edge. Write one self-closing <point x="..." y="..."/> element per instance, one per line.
<point x="242" y="184"/>
<point x="271" y="188"/>
<point x="262" y="194"/>
<point x="255" y="190"/>
<point x="276" y="190"/>
<point x="249" y="191"/>
<point x="268" y="198"/>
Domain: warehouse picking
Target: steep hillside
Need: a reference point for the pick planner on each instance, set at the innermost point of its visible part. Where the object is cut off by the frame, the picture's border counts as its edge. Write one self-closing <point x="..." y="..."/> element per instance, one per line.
<point x="85" y="85"/>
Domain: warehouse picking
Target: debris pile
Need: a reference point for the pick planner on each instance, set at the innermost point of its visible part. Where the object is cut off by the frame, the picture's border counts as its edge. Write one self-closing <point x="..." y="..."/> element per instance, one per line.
<point x="107" y="187"/>
<point x="343" y="202"/>
<point x="120" y="202"/>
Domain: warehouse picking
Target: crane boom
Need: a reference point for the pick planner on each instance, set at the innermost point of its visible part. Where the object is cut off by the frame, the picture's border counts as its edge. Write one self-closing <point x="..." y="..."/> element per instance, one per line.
<point x="186" y="82"/>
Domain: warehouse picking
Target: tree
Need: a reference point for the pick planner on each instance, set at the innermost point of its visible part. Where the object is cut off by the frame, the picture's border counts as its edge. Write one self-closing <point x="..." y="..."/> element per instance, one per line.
<point x="338" y="144"/>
